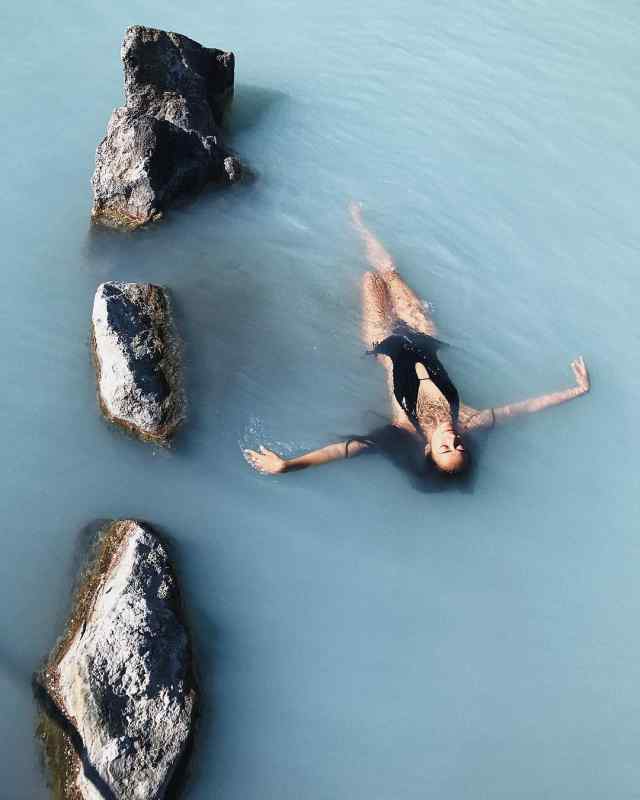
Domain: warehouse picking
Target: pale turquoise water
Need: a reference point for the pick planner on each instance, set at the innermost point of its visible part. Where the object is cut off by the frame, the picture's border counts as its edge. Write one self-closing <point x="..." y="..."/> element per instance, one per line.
<point x="356" y="638"/>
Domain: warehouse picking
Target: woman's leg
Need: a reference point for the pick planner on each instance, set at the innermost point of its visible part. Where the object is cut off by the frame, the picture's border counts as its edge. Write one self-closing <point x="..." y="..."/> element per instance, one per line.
<point x="377" y="310"/>
<point x="377" y="323"/>
<point x="408" y="307"/>
<point x="405" y="304"/>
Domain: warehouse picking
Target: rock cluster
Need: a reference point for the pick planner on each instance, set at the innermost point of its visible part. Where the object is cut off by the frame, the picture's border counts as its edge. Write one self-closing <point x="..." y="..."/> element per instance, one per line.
<point x="137" y="360"/>
<point x="166" y="140"/>
<point x="121" y="679"/>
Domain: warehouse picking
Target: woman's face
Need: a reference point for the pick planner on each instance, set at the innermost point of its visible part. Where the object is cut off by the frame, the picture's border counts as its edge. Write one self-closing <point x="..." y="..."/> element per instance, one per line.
<point x="447" y="448"/>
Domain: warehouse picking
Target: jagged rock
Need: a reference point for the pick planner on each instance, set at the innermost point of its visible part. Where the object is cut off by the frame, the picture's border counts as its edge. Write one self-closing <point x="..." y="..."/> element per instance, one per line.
<point x="137" y="359"/>
<point x="119" y="687"/>
<point x="166" y="140"/>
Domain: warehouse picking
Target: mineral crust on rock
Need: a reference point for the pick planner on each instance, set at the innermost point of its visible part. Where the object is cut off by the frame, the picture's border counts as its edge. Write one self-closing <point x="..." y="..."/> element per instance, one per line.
<point x="121" y="679"/>
<point x="166" y="140"/>
<point x="137" y="359"/>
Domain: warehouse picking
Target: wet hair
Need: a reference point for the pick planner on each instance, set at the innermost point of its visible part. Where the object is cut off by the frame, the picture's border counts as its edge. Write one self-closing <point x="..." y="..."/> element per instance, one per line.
<point x="433" y="478"/>
<point x="401" y="448"/>
<point x="456" y="471"/>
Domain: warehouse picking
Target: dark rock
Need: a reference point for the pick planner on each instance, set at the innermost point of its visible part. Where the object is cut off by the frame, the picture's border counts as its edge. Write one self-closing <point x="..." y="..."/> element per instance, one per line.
<point x="137" y="359"/>
<point x="118" y="690"/>
<point x="166" y="140"/>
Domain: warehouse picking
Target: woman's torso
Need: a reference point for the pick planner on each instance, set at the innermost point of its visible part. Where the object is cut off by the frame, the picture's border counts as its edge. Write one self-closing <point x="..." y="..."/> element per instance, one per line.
<point x="423" y="403"/>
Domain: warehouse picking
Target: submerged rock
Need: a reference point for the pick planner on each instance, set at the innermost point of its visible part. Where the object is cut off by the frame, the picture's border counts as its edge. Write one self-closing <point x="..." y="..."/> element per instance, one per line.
<point x="120" y="682"/>
<point x="166" y="140"/>
<point x="137" y="360"/>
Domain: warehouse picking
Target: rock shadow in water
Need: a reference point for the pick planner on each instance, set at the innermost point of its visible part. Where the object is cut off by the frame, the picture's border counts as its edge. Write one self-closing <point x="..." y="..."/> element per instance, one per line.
<point x="223" y="325"/>
<point x="204" y="656"/>
<point x="250" y="105"/>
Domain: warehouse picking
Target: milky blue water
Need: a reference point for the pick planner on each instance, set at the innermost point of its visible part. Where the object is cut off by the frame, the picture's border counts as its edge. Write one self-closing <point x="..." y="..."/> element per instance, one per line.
<point x="356" y="638"/>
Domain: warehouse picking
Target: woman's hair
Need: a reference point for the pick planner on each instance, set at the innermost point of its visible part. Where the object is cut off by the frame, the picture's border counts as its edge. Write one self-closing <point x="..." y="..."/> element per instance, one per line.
<point x="456" y="469"/>
<point x="407" y="454"/>
<point x="432" y="466"/>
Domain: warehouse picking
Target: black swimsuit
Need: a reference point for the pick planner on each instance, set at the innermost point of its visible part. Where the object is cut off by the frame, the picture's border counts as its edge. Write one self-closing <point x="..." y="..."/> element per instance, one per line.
<point x="406" y="348"/>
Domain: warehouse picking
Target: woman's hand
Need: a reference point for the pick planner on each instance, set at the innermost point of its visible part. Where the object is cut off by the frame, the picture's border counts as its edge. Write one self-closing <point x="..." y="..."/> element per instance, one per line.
<point x="266" y="461"/>
<point x="582" y="376"/>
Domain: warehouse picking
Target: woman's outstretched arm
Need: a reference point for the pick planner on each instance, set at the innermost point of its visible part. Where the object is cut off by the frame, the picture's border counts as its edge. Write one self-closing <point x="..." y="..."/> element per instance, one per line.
<point x="271" y="463"/>
<point x="493" y="416"/>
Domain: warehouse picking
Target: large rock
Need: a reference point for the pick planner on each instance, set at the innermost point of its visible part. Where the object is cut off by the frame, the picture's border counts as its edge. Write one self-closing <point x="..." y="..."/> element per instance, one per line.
<point x="166" y="140"/>
<point x="121" y="680"/>
<point x="137" y="359"/>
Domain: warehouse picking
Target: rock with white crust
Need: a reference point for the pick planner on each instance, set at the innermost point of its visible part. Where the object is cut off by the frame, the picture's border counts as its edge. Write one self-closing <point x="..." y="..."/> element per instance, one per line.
<point x="137" y="359"/>
<point x="121" y="679"/>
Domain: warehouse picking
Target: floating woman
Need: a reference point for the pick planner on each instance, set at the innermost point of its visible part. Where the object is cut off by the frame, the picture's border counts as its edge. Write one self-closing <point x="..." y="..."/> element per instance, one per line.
<point x="425" y="408"/>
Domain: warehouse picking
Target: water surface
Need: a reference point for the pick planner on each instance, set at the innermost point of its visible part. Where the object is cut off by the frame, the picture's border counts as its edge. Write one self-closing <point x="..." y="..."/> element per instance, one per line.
<point x="356" y="638"/>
